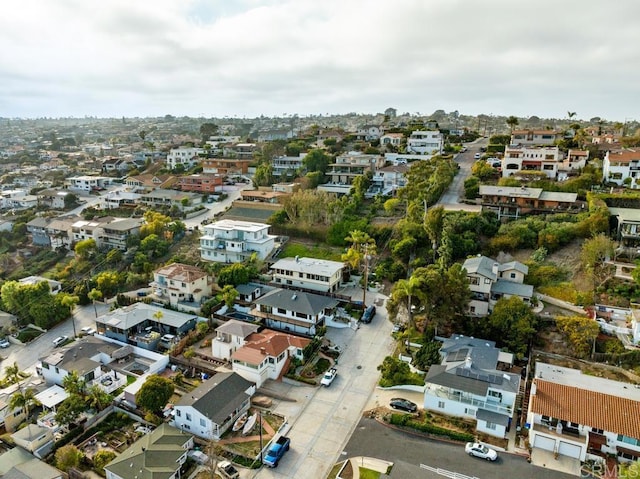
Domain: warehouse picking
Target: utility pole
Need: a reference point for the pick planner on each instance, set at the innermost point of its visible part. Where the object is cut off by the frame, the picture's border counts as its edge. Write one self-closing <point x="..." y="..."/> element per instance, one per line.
<point x="366" y="275"/>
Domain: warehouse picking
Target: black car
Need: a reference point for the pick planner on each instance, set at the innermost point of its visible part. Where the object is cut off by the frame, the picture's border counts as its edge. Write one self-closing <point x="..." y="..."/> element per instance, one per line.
<point x="403" y="405"/>
<point x="368" y="314"/>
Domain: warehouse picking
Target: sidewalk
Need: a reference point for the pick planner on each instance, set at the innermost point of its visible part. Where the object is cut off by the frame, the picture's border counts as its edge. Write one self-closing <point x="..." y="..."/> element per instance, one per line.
<point x="372" y="463"/>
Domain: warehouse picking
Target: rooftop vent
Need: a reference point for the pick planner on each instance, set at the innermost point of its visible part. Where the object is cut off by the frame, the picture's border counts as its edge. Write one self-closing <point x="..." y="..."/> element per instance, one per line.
<point x="294" y="297"/>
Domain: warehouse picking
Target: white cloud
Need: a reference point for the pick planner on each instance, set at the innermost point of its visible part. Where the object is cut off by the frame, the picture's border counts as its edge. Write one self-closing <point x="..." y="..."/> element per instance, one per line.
<point x="226" y="57"/>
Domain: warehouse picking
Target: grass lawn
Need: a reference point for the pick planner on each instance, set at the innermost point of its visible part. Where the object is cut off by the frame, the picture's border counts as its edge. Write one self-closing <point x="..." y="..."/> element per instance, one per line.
<point x="293" y="249"/>
<point x="368" y="473"/>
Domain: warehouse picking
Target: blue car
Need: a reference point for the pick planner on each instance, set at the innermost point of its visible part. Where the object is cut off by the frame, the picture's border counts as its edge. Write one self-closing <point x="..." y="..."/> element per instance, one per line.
<point x="368" y="315"/>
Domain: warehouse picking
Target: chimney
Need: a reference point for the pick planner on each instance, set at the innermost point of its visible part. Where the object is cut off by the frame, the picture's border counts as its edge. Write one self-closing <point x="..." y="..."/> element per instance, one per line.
<point x="494" y="269"/>
<point x="263" y="351"/>
<point x="533" y="388"/>
<point x="468" y="362"/>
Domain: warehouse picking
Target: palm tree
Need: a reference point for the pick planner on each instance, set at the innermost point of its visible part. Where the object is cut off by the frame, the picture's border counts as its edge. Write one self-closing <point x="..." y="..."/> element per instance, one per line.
<point x="94" y="295"/>
<point x="512" y="121"/>
<point x="571" y="114"/>
<point x="24" y="400"/>
<point x="12" y="373"/>
<point x="98" y="398"/>
<point x="408" y="289"/>
<point x="74" y="384"/>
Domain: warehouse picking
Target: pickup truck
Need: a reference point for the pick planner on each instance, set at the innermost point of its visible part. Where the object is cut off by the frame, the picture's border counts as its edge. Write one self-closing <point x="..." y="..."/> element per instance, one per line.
<point x="226" y="470"/>
<point x="276" y="451"/>
<point x="328" y="377"/>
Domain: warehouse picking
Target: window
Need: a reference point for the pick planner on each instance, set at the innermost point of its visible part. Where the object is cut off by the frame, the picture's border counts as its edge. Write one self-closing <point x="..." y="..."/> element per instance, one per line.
<point x="628" y="440"/>
<point x="474" y="280"/>
<point x="203" y="423"/>
<point x="178" y="413"/>
<point x="282" y="311"/>
<point x="512" y="275"/>
<point x="597" y="431"/>
<point x="491" y="425"/>
<point x="441" y="404"/>
<point x="487" y="281"/>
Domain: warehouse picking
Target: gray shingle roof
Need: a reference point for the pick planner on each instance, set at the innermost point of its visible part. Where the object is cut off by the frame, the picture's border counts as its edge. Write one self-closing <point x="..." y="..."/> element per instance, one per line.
<point x="297" y="301"/>
<point x="130" y="316"/>
<point x="154" y="456"/>
<point x="517" y="265"/>
<point x="491" y="416"/>
<point x="480" y="265"/>
<point x="237" y="328"/>
<point x="218" y="397"/>
<point x="511" y="288"/>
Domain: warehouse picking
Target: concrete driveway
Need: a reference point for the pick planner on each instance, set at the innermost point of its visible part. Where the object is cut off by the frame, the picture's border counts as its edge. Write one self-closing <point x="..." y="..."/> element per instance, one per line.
<point x="321" y="423"/>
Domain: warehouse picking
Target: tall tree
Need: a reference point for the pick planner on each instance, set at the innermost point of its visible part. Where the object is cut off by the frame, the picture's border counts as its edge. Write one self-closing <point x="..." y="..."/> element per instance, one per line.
<point x="154" y="394"/>
<point x="512" y="325"/>
<point x="407" y="290"/>
<point x="581" y="333"/>
<point x="207" y="130"/>
<point x="594" y="254"/>
<point x="95" y="295"/>
<point x="74" y="384"/>
<point x="12" y="373"/>
<point x="512" y="122"/>
<point x="68" y="457"/>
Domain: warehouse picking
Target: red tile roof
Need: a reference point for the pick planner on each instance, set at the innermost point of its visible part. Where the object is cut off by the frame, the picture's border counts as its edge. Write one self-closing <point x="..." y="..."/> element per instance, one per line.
<point x="624" y="156"/>
<point x="267" y="343"/>
<point x="182" y="272"/>
<point x="599" y="410"/>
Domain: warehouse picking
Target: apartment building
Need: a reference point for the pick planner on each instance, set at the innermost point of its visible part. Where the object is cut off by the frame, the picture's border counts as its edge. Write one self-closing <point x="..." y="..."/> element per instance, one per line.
<point x="231" y="241"/>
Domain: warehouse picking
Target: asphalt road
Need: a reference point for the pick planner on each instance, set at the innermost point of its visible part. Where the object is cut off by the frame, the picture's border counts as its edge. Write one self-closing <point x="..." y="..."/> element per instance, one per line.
<point x="375" y="440"/>
<point x="450" y="199"/>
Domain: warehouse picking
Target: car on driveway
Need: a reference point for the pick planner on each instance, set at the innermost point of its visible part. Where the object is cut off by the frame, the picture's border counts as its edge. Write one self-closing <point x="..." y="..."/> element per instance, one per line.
<point x="60" y="340"/>
<point x="4" y="343"/>
<point x="403" y="404"/>
<point x="368" y="314"/>
<point x="87" y="331"/>
<point x="480" y="450"/>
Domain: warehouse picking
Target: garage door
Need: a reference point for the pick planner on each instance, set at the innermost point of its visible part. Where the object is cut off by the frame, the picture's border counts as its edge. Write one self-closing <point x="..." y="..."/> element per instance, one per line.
<point x="545" y="443"/>
<point x="571" y="450"/>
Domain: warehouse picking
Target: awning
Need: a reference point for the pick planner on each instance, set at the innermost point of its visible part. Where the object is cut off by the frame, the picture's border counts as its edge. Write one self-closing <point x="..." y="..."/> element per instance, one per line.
<point x="631" y="452"/>
<point x="51" y="397"/>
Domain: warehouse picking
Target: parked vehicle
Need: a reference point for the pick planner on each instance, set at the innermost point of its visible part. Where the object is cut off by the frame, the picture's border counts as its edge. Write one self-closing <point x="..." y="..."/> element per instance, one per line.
<point x="276" y="451"/>
<point x="368" y="314"/>
<point x="4" y="343"/>
<point x="87" y="331"/>
<point x="403" y="404"/>
<point x="477" y="156"/>
<point x="480" y="450"/>
<point x="226" y="470"/>
<point x="328" y="377"/>
<point x="60" y="340"/>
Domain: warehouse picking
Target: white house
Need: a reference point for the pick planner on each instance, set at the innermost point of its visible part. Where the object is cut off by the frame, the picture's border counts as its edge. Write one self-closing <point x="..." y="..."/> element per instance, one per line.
<point x="160" y="453"/>
<point x="369" y="132"/>
<point x="267" y="355"/>
<point x="489" y="281"/>
<point x="210" y="409"/>
<point x="393" y="139"/>
<point x="535" y="137"/>
<point x="32" y="437"/>
<point x="545" y="159"/>
<point x="387" y="180"/>
<point x="54" y="286"/>
<point x="285" y="165"/>
<point x="294" y="311"/>
<point x="88" y="183"/>
<point x="575" y="161"/>
<point x="186" y="157"/>
<point x="231" y="241"/>
<point x="182" y="283"/>
<point x="620" y="165"/>
<point x="582" y="416"/>
<point x="468" y="384"/>
<point x="308" y="273"/>
<point x="230" y="337"/>
<point x="425" y="143"/>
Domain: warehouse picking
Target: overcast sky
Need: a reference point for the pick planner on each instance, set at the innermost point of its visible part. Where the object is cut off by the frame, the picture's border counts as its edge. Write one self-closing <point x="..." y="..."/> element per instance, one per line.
<point x="216" y="58"/>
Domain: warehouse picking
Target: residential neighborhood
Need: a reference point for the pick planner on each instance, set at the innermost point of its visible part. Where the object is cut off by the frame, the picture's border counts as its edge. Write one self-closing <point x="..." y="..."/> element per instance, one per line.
<point x="175" y="302"/>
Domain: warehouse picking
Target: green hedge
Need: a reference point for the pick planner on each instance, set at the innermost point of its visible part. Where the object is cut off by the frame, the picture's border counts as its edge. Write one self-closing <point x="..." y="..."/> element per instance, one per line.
<point x="406" y="420"/>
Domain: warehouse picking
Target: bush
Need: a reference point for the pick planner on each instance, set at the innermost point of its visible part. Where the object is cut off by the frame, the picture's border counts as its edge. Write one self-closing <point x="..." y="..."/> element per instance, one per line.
<point x="562" y="291"/>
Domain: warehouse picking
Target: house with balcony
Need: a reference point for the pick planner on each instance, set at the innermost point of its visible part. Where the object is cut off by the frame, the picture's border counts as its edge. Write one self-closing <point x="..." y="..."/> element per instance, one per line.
<point x="369" y="132"/>
<point x="242" y="151"/>
<point x="287" y="166"/>
<point x="204" y="183"/>
<point x="60" y="231"/>
<point x="226" y="166"/>
<point x="37" y="229"/>
<point x="308" y="274"/>
<point x="387" y="180"/>
<point x="535" y="137"/>
<point x="143" y="325"/>
<point x="347" y="168"/>
<point x="427" y="143"/>
<point x="266" y="355"/>
<point x="230" y="337"/>
<point x="211" y="409"/>
<point x="294" y="311"/>
<point x="514" y="201"/>
<point x="627" y="222"/>
<point x="622" y="167"/>
<point x="231" y="241"/>
<point x="472" y="382"/>
<point x="88" y="183"/>
<point x="183" y="200"/>
<point x="581" y="416"/>
<point x="52" y="199"/>
<point x="182" y="283"/>
<point x="188" y="157"/>
<point x="574" y="162"/>
<point x="117" y="234"/>
<point x="149" y="182"/>
<point x="120" y="199"/>
<point x="158" y="454"/>
<point x="89" y="359"/>
<point x="522" y="159"/>
<point x="489" y="281"/>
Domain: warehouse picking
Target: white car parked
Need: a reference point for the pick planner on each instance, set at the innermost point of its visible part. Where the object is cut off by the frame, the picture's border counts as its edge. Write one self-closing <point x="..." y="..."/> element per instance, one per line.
<point x="480" y="450"/>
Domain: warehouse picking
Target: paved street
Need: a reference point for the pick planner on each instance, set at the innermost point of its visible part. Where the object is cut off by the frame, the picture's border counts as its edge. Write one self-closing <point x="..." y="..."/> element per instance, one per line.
<point x="329" y="415"/>
<point x="376" y="440"/>
<point x="450" y="199"/>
